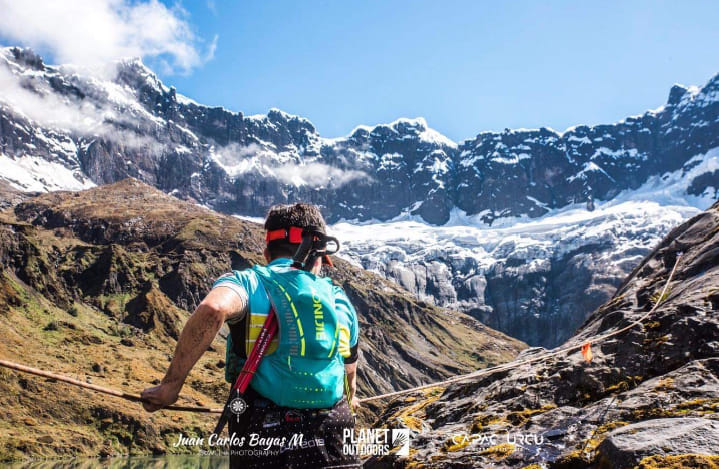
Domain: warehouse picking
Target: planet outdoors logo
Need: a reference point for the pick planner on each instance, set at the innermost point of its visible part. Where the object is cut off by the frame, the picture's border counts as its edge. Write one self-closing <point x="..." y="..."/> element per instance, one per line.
<point x="401" y="438"/>
<point x="376" y="441"/>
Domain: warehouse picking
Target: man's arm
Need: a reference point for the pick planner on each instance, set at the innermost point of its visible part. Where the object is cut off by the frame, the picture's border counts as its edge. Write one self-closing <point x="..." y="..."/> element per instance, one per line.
<point x="351" y="372"/>
<point x="344" y="304"/>
<point x="195" y="338"/>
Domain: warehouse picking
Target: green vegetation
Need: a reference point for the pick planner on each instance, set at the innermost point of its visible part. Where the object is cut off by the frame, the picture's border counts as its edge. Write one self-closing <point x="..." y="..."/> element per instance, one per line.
<point x="103" y="298"/>
<point x="696" y="407"/>
<point x="622" y="386"/>
<point x="481" y="422"/>
<point x="680" y="461"/>
<point x="520" y="417"/>
<point x="664" y="385"/>
<point x="584" y="453"/>
<point x="499" y="451"/>
<point x="658" y="297"/>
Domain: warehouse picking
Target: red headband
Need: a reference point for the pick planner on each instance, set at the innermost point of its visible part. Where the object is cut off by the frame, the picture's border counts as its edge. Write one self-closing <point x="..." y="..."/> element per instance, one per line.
<point x="293" y="235"/>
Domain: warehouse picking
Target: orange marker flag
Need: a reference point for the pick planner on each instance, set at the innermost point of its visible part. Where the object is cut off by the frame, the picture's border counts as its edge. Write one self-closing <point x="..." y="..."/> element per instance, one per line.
<point x="587" y="351"/>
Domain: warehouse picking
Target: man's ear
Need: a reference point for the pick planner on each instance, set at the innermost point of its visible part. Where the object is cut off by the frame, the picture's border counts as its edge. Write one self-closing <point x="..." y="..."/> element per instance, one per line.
<point x="266" y="253"/>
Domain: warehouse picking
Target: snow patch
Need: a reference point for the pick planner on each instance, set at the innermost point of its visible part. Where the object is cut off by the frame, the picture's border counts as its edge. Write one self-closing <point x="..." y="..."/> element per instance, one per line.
<point x="35" y="174"/>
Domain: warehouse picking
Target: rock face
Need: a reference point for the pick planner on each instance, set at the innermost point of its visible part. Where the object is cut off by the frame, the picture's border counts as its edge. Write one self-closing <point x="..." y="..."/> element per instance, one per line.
<point x="537" y="282"/>
<point x="626" y="445"/>
<point x="10" y="196"/>
<point x="133" y="125"/>
<point x="654" y="382"/>
<point x="98" y="283"/>
<point x="61" y="128"/>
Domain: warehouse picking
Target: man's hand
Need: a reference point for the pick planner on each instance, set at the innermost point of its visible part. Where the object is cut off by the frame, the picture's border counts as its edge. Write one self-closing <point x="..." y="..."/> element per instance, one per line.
<point x="355" y="404"/>
<point x="157" y="397"/>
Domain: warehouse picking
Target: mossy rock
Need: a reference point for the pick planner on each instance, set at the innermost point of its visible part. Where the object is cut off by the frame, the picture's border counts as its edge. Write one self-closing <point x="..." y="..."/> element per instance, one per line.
<point x="680" y="461"/>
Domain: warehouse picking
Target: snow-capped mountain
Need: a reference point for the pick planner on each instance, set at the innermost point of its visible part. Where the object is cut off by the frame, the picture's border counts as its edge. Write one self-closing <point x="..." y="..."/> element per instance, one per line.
<point x="106" y="125"/>
<point x="533" y="278"/>
<point x="538" y="226"/>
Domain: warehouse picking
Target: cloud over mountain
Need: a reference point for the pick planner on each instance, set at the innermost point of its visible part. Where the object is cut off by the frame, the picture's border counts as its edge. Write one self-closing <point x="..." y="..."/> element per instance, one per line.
<point x="95" y="32"/>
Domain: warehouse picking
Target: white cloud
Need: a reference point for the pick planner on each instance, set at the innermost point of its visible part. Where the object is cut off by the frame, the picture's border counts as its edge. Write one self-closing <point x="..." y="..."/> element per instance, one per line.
<point x="318" y="175"/>
<point x="92" y="32"/>
<point x="45" y="107"/>
<point x="237" y="160"/>
<point x="35" y="100"/>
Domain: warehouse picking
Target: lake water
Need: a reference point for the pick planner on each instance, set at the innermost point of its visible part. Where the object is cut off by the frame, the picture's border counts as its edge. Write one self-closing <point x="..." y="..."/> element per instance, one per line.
<point x="188" y="461"/>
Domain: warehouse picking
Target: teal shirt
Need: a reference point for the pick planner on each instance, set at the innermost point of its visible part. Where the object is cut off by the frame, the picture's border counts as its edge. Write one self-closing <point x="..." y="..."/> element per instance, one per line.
<point x="265" y="379"/>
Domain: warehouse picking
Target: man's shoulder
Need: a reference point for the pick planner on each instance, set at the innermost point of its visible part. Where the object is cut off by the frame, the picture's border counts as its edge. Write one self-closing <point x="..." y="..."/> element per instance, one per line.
<point x="342" y="301"/>
<point x="337" y="289"/>
<point x="245" y="278"/>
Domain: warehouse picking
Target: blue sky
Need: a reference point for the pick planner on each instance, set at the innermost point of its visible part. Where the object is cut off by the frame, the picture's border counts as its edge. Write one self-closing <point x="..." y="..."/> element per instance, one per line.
<point x="466" y="66"/>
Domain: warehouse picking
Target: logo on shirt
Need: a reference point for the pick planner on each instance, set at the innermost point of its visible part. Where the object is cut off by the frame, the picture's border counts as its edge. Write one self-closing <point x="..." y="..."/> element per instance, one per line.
<point x="319" y="316"/>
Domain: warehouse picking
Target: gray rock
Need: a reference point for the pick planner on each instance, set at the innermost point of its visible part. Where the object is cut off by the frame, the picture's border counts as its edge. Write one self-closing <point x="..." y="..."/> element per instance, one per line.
<point x="653" y="389"/>
<point x="626" y="446"/>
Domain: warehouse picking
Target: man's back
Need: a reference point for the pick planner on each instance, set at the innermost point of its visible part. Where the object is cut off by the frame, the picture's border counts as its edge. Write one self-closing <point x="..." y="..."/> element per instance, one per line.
<point x="318" y="328"/>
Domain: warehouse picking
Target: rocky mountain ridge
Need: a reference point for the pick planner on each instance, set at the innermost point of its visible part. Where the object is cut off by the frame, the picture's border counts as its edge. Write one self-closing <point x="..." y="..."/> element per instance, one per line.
<point x="537" y="281"/>
<point x="648" y="398"/>
<point x="130" y="124"/>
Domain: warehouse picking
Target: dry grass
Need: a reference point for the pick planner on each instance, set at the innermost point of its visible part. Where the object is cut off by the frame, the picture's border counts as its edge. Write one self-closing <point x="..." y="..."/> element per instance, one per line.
<point x="107" y="286"/>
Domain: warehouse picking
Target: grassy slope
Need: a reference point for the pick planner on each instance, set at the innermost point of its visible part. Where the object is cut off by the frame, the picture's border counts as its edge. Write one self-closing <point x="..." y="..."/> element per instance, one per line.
<point x="97" y="285"/>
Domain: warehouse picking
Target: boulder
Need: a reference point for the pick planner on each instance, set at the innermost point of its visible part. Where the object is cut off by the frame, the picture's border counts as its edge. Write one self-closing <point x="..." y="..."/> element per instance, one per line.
<point x="626" y="446"/>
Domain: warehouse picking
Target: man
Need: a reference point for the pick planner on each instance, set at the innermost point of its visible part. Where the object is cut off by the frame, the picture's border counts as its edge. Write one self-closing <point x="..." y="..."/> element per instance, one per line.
<point x="308" y="375"/>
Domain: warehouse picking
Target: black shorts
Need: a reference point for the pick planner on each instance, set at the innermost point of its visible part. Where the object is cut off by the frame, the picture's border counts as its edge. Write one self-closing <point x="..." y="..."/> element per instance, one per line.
<point x="282" y="437"/>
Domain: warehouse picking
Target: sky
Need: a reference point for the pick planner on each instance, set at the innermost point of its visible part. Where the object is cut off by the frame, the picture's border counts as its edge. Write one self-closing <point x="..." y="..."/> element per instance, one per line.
<point x="465" y="66"/>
